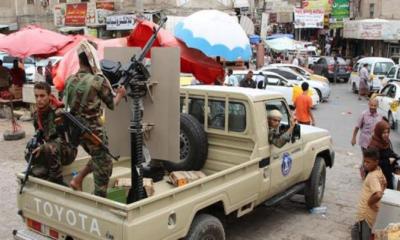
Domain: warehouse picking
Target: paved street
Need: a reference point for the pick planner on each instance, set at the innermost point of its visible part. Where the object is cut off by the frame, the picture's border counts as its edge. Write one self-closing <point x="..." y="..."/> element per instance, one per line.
<point x="288" y="220"/>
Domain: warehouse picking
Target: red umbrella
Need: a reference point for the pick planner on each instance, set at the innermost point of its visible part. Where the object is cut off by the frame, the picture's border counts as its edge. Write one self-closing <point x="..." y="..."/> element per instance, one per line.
<point x="33" y="40"/>
<point x="70" y="63"/>
<point x="193" y="61"/>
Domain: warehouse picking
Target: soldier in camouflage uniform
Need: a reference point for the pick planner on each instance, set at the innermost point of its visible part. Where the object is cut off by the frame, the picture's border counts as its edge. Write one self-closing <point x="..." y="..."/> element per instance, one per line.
<point x="275" y="135"/>
<point x="56" y="151"/>
<point x="84" y="93"/>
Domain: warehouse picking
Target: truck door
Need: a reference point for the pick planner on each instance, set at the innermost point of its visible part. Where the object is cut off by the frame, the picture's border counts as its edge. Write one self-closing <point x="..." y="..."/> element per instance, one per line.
<point x="286" y="161"/>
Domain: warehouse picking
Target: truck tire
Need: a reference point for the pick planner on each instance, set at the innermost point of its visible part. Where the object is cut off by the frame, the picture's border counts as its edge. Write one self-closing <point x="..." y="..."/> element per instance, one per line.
<point x="12" y="136"/>
<point x="315" y="186"/>
<point x="206" y="227"/>
<point x="193" y="145"/>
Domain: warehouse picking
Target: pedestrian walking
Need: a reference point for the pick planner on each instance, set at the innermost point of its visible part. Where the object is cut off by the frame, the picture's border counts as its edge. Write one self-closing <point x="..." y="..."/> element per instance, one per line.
<point x="84" y="93"/>
<point x="230" y="79"/>
<point x="248" y="81"/>
<point x="328" y="48"/>
<point x="17" y="74"/>
<point x="363" y="89"/>
<point x="371" y="194"/>
<point x="303" y="105"/>
<point x="335" y="69"/>
<point x="366" y="125"/>
<point x="387" y="157"/>
<point x="5" y="77"/>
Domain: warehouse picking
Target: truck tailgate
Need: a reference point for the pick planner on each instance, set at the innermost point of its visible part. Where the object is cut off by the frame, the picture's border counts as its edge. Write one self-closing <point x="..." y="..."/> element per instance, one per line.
<point x="75" y="214"/>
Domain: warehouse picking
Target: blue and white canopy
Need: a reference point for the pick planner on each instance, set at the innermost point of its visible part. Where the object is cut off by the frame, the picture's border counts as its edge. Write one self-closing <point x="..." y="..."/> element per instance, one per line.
<point x="215" y="34"/>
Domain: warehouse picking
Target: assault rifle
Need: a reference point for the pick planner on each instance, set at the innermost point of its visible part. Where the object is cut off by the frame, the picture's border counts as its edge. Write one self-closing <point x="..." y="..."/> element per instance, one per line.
<point x="134" y="76"/>
<point x="81" y="130"/>
<point x="34" y="142"/>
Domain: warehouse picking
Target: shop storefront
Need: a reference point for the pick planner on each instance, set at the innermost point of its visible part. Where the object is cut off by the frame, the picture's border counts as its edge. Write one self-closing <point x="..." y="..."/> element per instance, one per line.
<point x="372" y="37"/>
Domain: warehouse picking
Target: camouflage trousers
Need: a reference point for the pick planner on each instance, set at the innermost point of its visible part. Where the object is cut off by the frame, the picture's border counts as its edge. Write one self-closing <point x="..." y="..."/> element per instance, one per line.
<point x="100" y="163"/>
<point x="53" y="155"/>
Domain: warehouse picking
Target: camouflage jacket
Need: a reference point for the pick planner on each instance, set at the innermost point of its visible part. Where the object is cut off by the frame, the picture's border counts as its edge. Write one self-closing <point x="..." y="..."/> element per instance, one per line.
<point x="277" y="137"/>
<point x="46" y="121"/>
<point x="84" y="93"/>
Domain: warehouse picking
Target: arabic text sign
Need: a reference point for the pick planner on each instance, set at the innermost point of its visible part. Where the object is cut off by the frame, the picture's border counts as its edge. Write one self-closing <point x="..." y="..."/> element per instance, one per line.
<point x="76" y="14"/>
<point x="120" y="22"/>
<point x="325" y="5"/>
<point x="308" y="18"/>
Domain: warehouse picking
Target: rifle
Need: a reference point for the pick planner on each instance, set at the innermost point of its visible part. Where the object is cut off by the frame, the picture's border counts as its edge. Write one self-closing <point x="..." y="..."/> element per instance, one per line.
<point x="85" y="132"/>
<point x="34" y="142"/>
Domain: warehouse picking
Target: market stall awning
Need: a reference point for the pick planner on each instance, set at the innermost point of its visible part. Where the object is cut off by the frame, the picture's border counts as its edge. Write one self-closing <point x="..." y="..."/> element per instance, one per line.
<point x="281" y="44"/>
<point x="205" y="69"/>
<point x="33" y="40"/>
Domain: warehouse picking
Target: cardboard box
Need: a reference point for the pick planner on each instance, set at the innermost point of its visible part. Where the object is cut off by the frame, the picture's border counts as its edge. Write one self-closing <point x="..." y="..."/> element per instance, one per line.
<point x="181" y="178"/>
<point x="126" y="184"/>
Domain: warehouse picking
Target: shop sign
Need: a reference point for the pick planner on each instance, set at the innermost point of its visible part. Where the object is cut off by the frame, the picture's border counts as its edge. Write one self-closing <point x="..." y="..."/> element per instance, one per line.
<point x="59" y="15"/>
<point x="308" y="18"/>
<point x="103" y="9"/>
<point x="325" y="5"/>
<point x="75" y="14"/>
<point x="120" y="22"/>
<point x="340" y="11"/>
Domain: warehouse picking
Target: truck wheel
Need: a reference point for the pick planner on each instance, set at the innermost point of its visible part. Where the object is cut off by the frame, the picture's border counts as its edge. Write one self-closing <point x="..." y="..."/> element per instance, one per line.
<point x="206" y="227"/>
<point x="315" y="186"/>
<point x="12" y="136"/>
<point x="193" y="145"/>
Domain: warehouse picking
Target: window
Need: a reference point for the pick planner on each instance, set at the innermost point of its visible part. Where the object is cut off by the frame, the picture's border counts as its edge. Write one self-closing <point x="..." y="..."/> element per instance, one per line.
<point x="237" y="117"/>
<point x="30" y="2"/>
<point x="381" y="68"/>
<point x="385" y="90"/>
<point x="62" y="1"/>
<point x="392" y="92"/>
<point x="391" y="72"/>
<point x="371" y="10"/>
<point x="196" y="109"/>
<point x="398" y="75"/>
<point x="216" y="115"/>
<point x="281" y="107"/>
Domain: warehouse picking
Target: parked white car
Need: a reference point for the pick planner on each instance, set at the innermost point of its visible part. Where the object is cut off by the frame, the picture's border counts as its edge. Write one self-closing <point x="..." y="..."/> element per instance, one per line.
<point x="377" y="67"/>
<point x="277" y="83"/>
<point x="388" y="99"/>
<point x="392" y="74"/>
<point x="323" y="89"/>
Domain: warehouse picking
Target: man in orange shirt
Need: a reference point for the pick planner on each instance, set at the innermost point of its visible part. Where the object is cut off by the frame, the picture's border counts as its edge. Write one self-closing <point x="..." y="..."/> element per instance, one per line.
<point x="303" y="104"/>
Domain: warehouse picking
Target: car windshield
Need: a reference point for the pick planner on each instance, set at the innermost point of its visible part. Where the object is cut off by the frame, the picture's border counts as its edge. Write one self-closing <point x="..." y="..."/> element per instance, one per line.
<point x="381" y="68"/>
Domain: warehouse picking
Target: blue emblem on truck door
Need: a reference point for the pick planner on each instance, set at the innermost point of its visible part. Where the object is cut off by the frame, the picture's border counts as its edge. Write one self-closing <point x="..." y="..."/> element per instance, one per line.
<point x="286" y="164"/>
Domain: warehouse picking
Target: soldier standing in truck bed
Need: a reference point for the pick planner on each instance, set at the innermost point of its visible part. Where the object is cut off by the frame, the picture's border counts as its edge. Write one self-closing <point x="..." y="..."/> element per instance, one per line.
<point x="84" y="93"/>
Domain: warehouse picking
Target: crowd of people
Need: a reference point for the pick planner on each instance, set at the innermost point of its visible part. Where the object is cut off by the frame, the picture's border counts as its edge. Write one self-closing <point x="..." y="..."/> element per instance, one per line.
<point x="379" y="164"/>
